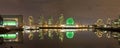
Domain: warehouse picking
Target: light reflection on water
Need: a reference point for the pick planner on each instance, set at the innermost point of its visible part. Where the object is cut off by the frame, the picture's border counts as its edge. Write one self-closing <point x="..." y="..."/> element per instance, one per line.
<point x="61" y="33"/>
<point x="51" y="32"/>
<point x="83" y="38"/>
<point x="53" y="38"/>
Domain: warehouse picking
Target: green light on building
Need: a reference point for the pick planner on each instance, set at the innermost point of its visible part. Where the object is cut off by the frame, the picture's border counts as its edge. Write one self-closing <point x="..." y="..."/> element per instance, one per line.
<point x="70" y="21"/>
<point x="11" y="23"/>
<point x="8" y="36"/>
<point x="70" y="34"/>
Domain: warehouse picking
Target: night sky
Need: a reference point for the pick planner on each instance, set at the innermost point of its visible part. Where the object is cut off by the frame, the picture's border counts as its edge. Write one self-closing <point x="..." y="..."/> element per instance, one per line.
<point x="83" y="11"/>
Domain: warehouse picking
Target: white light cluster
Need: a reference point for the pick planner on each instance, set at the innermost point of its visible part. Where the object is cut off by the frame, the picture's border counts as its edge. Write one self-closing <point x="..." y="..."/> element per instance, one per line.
<point x="65" y="30"/>
<point x="25" y="29"/>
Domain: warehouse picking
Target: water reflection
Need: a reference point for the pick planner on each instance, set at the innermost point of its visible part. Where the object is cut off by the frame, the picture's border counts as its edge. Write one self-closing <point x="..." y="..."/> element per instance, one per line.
<point x="69" y="33"/>
<point x="103" y="34"/>
<point x="108" y="34"/>
<point x="54" y="38"/>
<point x="50" y="33"/>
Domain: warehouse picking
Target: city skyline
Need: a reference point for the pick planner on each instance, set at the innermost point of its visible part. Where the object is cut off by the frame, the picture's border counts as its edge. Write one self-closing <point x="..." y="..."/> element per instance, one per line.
<point x="85" y="12"/>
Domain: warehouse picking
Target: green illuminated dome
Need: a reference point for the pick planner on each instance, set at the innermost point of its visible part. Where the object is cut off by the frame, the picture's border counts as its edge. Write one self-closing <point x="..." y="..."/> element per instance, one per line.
<point x="69" y="34"/>
<point x="70" y="21"/>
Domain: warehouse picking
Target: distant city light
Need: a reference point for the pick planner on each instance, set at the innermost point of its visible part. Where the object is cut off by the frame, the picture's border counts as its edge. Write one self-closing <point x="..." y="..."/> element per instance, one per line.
<point x="16" y="33"/>
<point x="77" y="26"/>
<point x="66" y="30"/>
<point x="62" y="25"/>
